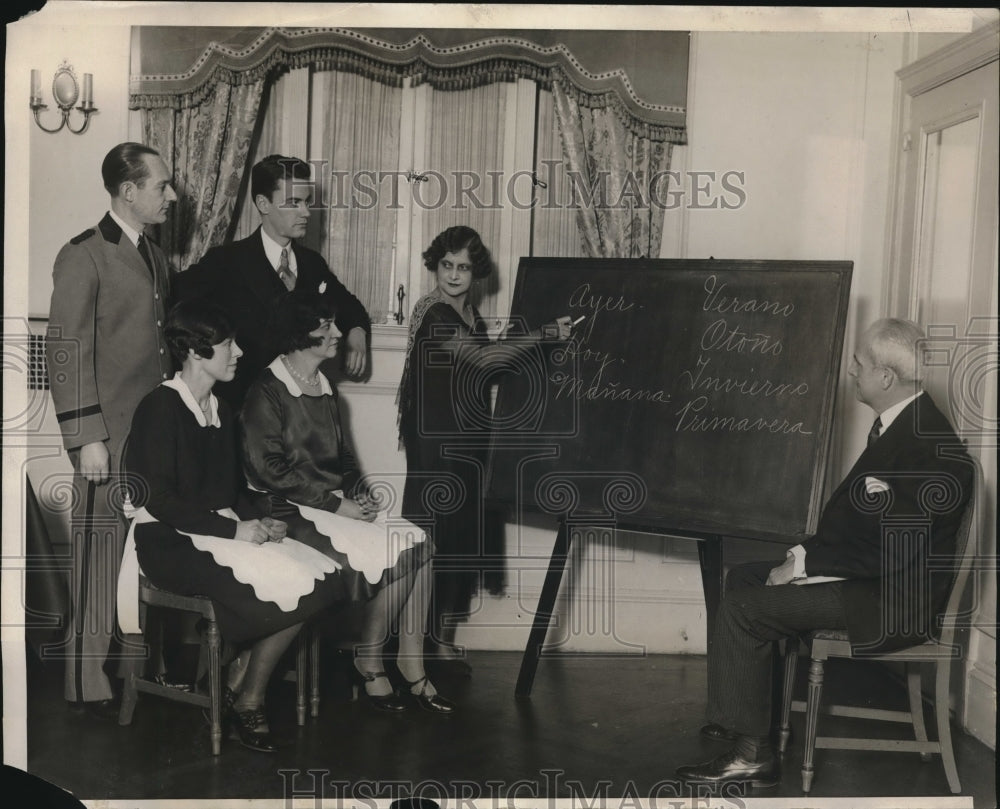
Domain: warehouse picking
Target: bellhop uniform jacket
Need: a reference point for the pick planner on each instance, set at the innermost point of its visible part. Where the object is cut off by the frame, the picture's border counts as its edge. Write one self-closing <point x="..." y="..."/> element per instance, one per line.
<point x="105" y="348"/>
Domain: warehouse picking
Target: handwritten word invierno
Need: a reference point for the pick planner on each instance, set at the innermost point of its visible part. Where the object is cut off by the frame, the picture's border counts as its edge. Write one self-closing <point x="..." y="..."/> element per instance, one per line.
<point x="716" y="302"/>
<point x="744" y="387"/>
<point x="719" y="337"/>
<point x="689" y="420"/>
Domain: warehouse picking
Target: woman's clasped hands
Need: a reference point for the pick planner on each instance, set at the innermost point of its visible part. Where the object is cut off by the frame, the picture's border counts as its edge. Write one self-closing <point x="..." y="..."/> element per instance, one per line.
<point x="360" y="506"/>
<point x="266" y="529"/>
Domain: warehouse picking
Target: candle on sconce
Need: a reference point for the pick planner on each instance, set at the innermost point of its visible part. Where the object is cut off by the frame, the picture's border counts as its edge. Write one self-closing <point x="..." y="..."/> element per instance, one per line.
<point x="36" y="87"/>
<point x="88" y="91"/>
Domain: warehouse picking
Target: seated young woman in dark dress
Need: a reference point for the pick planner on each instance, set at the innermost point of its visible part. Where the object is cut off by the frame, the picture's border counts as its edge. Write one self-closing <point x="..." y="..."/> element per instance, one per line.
<point x="444" y="418"/>
<point x="196" y="532"/>
<point x="294" y="449"/>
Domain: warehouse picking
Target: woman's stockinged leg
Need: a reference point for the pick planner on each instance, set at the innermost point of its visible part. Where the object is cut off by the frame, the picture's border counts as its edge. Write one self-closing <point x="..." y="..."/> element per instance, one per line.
<point x="264" y="656"/>
<point x="413" y="619"/>
<point x="381" y="618"/>
<point x="402" y="608"/>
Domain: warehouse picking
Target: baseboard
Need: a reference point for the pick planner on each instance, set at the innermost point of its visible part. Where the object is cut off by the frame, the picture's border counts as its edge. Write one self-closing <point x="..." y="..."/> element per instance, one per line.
<point x="981" y="706"/>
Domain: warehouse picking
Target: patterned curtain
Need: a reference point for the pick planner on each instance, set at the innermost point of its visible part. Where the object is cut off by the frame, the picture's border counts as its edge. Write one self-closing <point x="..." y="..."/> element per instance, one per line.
<point x="206" y="145"/>
<point x="555" y="231"/>
<point x="611" y="168"/>
<point x="360" y="144"/>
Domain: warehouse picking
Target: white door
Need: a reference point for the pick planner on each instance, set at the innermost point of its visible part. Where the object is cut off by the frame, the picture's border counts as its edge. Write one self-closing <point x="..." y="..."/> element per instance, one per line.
<point x="944" y="276"/>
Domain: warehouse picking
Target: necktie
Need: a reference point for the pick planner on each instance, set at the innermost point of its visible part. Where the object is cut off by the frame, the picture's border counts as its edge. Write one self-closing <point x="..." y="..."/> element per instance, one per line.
<point x="874" y="432"/>
<point x="285" y="272"/>
<point x="144" y="252"/>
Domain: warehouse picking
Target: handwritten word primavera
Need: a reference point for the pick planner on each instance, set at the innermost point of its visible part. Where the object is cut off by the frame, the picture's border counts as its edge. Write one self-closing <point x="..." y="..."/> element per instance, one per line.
<point x="689" y="419"/>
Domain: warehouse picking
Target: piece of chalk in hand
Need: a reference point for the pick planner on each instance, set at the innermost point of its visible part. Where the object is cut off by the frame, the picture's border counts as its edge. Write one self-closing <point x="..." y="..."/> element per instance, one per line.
<point x="579" y="320"/>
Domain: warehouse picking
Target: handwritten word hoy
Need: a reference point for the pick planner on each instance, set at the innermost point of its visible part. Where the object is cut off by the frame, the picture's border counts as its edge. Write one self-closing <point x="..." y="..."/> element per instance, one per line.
<point x="583" y="298"/>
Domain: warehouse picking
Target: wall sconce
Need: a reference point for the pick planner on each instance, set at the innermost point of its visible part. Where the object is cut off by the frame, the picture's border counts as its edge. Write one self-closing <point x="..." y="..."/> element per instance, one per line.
<point x="65" y="91"/>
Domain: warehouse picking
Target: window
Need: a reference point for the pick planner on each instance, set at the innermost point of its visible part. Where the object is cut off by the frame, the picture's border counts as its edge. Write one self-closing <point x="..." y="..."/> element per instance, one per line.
<point x="396" y="166"/>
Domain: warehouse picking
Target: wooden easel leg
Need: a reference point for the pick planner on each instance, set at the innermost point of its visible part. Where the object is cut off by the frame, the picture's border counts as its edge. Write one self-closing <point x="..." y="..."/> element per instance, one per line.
<point x="543" y="614"/>
<point x="710" y="557"/>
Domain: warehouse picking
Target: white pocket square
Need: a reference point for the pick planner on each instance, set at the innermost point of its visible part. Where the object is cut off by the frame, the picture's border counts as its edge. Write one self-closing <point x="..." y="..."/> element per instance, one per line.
<point x="873" y="485"/>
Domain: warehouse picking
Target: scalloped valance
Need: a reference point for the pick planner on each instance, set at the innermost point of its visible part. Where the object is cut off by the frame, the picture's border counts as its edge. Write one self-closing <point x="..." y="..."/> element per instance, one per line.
<point x="492" y="58"/>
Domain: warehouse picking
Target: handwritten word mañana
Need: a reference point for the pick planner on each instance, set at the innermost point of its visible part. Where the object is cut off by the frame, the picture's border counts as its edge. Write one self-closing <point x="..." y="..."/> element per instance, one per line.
<point x="699" y="380"/>
<point x="598" y="388"/>
<point x="690" y="420"/>
<point x="715" y="301"/>
<point x="719" y="337"/>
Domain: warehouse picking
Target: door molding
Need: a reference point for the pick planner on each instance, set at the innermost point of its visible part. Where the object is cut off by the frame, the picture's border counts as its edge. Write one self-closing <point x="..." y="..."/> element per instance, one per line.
<point x="960" y="57"/>
<point x="971" y="52"/>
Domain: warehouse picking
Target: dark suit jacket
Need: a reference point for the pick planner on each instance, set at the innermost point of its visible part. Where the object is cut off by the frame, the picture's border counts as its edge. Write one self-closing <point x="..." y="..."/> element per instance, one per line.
<point x="240" y="279"/>
<point x="880" y="541"/>
<point x="105" y="348"/>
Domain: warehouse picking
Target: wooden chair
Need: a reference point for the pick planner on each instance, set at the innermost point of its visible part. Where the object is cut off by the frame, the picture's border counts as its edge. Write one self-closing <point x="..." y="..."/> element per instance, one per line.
<point x="306" y="660"/>
<point x="941" y="654"/>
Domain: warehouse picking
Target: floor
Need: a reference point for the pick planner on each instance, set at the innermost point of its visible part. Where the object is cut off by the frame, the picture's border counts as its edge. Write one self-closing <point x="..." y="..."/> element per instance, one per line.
<point x="593" y="727"/>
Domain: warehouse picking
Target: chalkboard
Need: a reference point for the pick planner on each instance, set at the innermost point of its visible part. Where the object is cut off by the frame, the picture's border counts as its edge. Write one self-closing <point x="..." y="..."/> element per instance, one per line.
<point x="696" y="395"/>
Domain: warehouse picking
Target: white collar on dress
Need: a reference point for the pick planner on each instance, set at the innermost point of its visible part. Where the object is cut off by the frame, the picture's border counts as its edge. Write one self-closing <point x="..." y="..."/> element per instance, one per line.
<point x="191" y="403"/>
<point x="281" y="372"/>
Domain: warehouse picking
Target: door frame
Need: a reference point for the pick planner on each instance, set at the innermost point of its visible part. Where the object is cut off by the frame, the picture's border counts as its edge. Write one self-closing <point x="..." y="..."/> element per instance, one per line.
<point x="969" y="53"/>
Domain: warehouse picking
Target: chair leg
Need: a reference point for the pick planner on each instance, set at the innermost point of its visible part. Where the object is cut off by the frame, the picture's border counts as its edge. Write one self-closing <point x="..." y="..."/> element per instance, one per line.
<point x="214" y="641"/>
<point x="944" y="723"/>
<point x="133" y="668"/>
<point x="812" y="717"/>
<point x="916" y="705"/>
<point x="313" y="673"/>
<point x="301" y="650"/>
<point x="791" y="658"/>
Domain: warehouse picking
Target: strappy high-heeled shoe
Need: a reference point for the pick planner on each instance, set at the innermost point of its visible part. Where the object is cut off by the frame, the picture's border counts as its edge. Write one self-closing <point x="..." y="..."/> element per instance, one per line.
<point x="390" y="703"/>
<point x="434" y="703"/>
<point x="244" y="726"/>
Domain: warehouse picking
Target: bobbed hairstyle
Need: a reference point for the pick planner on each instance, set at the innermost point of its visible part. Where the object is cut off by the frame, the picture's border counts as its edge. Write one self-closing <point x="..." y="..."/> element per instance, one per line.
<point x="454" y="239"/>
<point x="295" y="314"/>
<point x="125" y="163"/>
<point x="264" y="176"/>
<point x="196" y="325"/>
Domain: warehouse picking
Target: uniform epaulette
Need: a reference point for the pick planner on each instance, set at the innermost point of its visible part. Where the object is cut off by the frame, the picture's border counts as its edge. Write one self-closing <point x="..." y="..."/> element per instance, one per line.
<point x="83" y="236"/>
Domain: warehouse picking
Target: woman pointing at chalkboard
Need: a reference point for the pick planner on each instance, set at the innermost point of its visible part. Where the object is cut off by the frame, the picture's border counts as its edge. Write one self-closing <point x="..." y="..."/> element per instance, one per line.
<point x="444" y="416"/>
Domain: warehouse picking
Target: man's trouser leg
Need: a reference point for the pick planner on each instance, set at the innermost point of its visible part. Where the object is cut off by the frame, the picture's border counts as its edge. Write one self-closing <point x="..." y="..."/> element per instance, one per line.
<point x="751" y="617"/>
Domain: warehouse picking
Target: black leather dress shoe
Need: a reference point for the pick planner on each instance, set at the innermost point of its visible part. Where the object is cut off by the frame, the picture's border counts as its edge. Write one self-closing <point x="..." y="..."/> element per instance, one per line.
<point x="717" y="733"/>
<point x="731" y="766"/>
<point x="245" y="726"/>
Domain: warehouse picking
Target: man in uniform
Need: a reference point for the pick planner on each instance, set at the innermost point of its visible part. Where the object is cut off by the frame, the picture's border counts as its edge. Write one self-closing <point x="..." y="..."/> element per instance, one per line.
<point x="246" y="277"/>
<point x="105" y="351"/>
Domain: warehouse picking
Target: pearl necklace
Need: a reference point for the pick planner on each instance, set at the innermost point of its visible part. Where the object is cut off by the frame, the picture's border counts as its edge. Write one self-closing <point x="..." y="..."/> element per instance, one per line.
<point x="312" y="382"/>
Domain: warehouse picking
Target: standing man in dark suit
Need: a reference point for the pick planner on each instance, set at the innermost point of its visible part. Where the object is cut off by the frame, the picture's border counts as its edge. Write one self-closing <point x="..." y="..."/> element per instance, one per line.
<point x="247" y="277"/>
<point x="852" y="574"/>
<point x="105" y="351"/>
